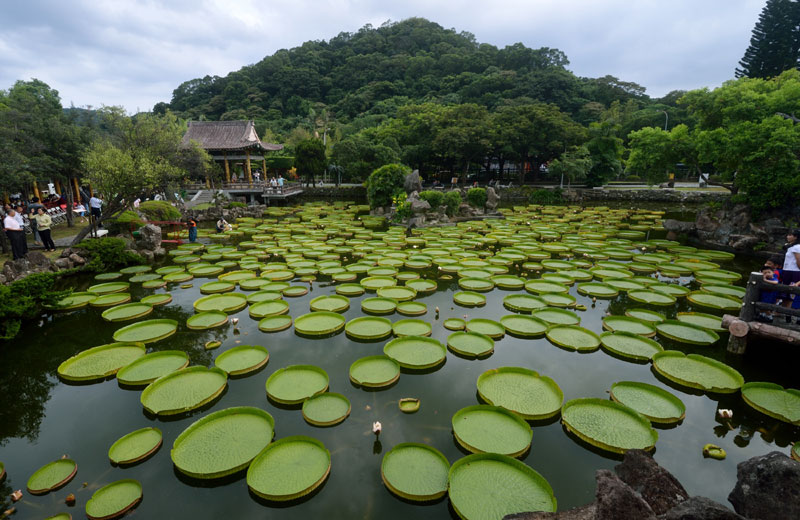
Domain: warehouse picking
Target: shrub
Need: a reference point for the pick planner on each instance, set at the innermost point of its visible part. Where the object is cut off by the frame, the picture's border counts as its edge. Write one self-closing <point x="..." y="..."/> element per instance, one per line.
<point x="384" y="182"/>
<point x="159" y="210"/>
<point x="452" y="199"/>
<point x="633" y="178"/>
<point x="476" y="197"/>
<point x="546" y="197"/>
<point x="125" y="222"/>
<point x="25" y="299"/>
<point x="402" y="207"/>
<point x="108" y="254"/>
<point x="435" y="198"/>
<point x="232" y="205"/>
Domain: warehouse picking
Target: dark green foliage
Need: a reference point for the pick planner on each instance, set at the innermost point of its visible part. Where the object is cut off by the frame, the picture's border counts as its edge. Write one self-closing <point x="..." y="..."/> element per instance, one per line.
<point x="477" y="197"/>
<point x="159" y="210"/>
<point x="546" y="197"/>
<point x="384" y="182"/>
<point x="108" y="254"/>
<point x="452" y="199"/>
<point x="402" y="208"/>
<point x="279" y="162"/>
<point x="25" y="299"/>
<point x="309" y="159"/>
<point x="434" y="197"/>
<point x="232" y="205"/>
<point x="359" y="155"/>
<point x="126" y="222"/>
<point x="775" y="44"/>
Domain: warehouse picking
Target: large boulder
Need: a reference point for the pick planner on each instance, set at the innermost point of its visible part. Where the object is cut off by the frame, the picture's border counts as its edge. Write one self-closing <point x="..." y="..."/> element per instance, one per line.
<point x="492" y="199"/>
<point x="616" y="500"/>
<point x="657" y="486"/>
<point x="420" y="206"/>
<point x="34" y="262"/>
<point x="149" y="237"/>
<point x="700" y="508"/>
<point x="678" y="226"/>
<point x="586" y="512"/>
<point x="767" y="487"/>
<point x="412" y="182"/>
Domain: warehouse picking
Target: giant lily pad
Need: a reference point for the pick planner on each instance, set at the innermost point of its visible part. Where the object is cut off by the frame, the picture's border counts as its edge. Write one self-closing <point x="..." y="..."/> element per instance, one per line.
<point x="135" y="446"/>
<point x="487" y="486"/>
<point x="289" y="468"/>
<point x="52" y="476"/>
<point x="523" y="302"/>
<point x="296" y="383"/>
<point x="398" y="293"/>
<point x="415" y="472"/>
<point x="225" y="302"/>
<point x="223" y="442"/>
<point x="373" y="283"/>
<point x="147" y="331"/>
<point x="268" y="308"/>
<point x="108" y="300"/>
<point x="375" y="371"/>
<point x="157" y="299"/>
<point x="378" y="305"/>
<point x="491" y="328"/>
<point x="319" y="323"/>
<point x="326" y="409"/>
<point x="330" y="303"/>
<point x="108" y="287"/>
<point x="184" y="390"/>
<point x="206" y="320"/>
<point x="416" y="352"/>
<point x="491" y="429"/>
<point x="470" y="344"/>
<point x="553" y="316"/>
<point x="350" y="289"/>
<point x="523" y="326"/>
<point x="707" y="321"/>
<point x="686" y="332"/>
<point x="469" y="299"/>
<point x="774" y="400"/>
<point x="114" y="500"/>
<point x="597" y="289"/>
<point x="696" y="371"/>
<point x="148" y="368"/>
<point x="629" y="324"/>
<point x="651" y="297"/>
<point x="630" y="345"/>
<point x="608" y="425"/>
<point x="543" y="286"/>
<point x="522" y="391"/>
<point x="242" y="359"/>
<point x="411" y="327"/>
<point x="217" y="287"/>
<point x="646" y="315"/>
<point x="454" y="324"/>
<point x="655" y="403"/>
<point x="573" y="337"/>
<point x="412" y="308"/>
<point x="100" y="362"/>
<point x="368" y="328"/>
<point x="714" y="301"/>
<point x="74" y="301"/>
<point x="275" y="323"/>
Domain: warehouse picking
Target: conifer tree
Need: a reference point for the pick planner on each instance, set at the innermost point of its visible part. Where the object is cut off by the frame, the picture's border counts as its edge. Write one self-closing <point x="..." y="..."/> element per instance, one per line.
<point x="775" y="44"/>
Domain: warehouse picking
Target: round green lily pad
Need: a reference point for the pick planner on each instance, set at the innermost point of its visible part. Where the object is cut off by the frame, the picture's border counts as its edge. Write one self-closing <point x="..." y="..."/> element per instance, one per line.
<point x="350" y="289"/>
<point x="491" y="429"/>
<point x="416" y="352"/>
<point x="222" y="442"/>
<point x="412" y="327"/>
<point x="554" y="316"/>
<point x="408" y="404"/>
<point x="470" y="344"/>
<point x="646" y="315"/>
<point x="275" y="323"/>
<point x="651" y="297"/>
<point x="491" y="328"/>
<point x="488" y="486"/>
<point x="629" y="324"/>
<point x="608" y="425"/>
<point x="454" y="324"/>
<point x="109" y="287"/>
<point x="127" y="311"/>
<point x="373" y="283"/>
<point x="398" y="293"/>
<point x="326" y="409"/>
<point x="108" y="300"/>
<point x="105" y="277"/>
<point x="422" y="285"/>
<point x="135" y="446"/>
<point x="696" y="371"/>
<point x="289" y="468"/>
<point x="147" y="331"/>
<point x="206" y="270"/>
<point x="178" y="277"/>
<point x="558" y="299"/>
<point x="319" y="323"/>
<point x="476" y="284"/>
<point x="206" y="320"/>
<point x="469" y="299"/>
<point x="412" y="308"/>
<point x="509" y="282"/>
<point x="686" y="332"/>
<point x="378" y="305"/>
<point x="217" y="287"/>
<point x="184" y="390"/>
<point x="707" y="321"/>
<point x="330" y="303"/>
<point x="415" y="472"/>
<point x="523" y="326"/>
<point x="114" y="500"/>
<point x="774" y="400"/>
<point x="74" y="301"/>
<point x="136" y="269"/>
<point x="374" y="371"/>
<point x="523" y="302"/>
<point x="655" y="403"/>
<point x="521" y="390"/>
<point x="157" y="299"/>
<point x="263" y="296"/>
<point x="52" y="476"/>
<point x="573" y="337"/>
<point x="630" y="345"/>
<point x="369" y="328"/>
<point x="295" y="291"/>
<point x="242" y="359"/>
<point x="148" y="368"/>
<point x="597" y="289"/>
<point x="100" y="362"/>
<point x="226" y="302"/>
<point x="714" y="301"/>
<point x="296" y="383"/>
<point x="268" y="308"/>
<point x="543" y="286"/>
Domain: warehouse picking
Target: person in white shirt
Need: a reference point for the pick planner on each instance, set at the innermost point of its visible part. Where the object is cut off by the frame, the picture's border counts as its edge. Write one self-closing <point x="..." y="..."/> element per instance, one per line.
<point x="791" y="264"/>
<point x="16" y="235"/>
<point x="95" y="206"/>
<point x="137" y="202"/>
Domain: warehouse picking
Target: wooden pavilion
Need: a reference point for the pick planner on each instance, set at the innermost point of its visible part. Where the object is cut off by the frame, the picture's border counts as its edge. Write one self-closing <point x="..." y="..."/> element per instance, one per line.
<point x="230" y="141"/>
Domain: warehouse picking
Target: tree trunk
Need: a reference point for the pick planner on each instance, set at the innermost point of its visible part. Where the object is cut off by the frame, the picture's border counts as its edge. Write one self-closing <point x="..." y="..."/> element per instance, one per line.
<point x="106" y="215"/>
<point x="521" y="173"/>
<point x="70" y="213"/>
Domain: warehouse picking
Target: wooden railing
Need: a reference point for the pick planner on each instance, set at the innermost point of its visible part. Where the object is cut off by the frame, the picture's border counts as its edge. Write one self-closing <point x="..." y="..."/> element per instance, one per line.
<point x="288" y="187"/>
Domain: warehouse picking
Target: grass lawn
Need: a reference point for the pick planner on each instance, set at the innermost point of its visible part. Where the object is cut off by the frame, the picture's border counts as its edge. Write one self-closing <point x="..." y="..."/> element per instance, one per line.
<point x="56" y="232"/>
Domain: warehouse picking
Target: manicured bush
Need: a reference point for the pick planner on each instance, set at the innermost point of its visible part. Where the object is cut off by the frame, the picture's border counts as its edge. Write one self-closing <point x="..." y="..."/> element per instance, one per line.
<point x="633" y="178"/>
<point x="108" y="254"/>
<point x="25" y="299"/>
<point x="384" y="182"/>
<point x="125" y="222"/>
<point x="232" y="205"/>
<point x="477" y="197"/>
<point x="435" y="198"/>
<point x="452" y="199"/>
<point x="159" y="210"/>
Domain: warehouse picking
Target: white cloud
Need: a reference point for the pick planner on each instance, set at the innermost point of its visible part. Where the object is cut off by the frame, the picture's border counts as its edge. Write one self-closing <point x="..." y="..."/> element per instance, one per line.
<point x="134" y="53"/>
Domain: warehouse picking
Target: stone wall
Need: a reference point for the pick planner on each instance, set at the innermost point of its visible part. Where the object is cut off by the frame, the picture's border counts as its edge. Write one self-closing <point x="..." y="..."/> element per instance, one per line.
<point x="522" y="194"/>
<point x="354" y="193"/>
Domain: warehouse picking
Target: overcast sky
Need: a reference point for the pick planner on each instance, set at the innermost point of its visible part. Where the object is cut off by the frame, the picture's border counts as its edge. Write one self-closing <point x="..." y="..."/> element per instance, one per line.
<point x="135" y="52"/>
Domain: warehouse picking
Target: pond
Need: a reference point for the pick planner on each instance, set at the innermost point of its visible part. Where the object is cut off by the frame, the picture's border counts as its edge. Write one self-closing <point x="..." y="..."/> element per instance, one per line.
<point x="44" y="417"/>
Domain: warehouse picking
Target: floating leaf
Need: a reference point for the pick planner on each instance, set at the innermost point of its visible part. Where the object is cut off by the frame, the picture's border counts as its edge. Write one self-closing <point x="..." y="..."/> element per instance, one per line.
<point x="108" y="300"/>
<point x="368" y="328"/>
<point x="554" y="316"/>
<point x="296" y="383"/>
<point x="100" y="362"/>
<point x="289" y="468"/>
<point x="707" y="321"/>
<point x="655" y="403"/>
<point x="686" y="332"/>
<point x="73" y="301"/>
<point x="416" y="352"/>
<point x="523" y="302"/>
<point x="454" y="324"/>
<point x="470" y="344"/>
<point x="630" y="345"/>
<point x="330" y="303"/>
<point x="573" y="337"/>
<point x="491" y="429"/>
<point x="147" y="369"/>
<point x="523" y="326"/>
<point x="326" y="409"/>
<point x="242" y="359"/>
<point x="415" y="472"/>
<point x="374" y="371"/>
<point x="147" y="331"/>
<point x="608" y="425"/>
<point x="108" y="288"/>
<point x="319" y="323"/>
<point x="268" y="308"/>
<point x="226" y="302"/>
<point x="157" y="299"/>
<point x="412" y="327"/>
<point x="521" y="390"/>
<point x="491" y="328"/>
<point x="774" y="400"/>
<point x="412" y="308"/>
<point x="714" y="452"/>
<point x="408" y="404"/>
<point x="184" y="390"/>
<point x="469" y="299"/>
<point x="52" y="476"/>
<point x="275" y="323"/>
<point x="135" y="446"/>
<point x="597" y="289"/>
<point x="629" y="324"/>
<point x="696" y="371"/>
<point x="114" y="500"/>
<point x="646" y="315"/>
<point x="652" y="297"/>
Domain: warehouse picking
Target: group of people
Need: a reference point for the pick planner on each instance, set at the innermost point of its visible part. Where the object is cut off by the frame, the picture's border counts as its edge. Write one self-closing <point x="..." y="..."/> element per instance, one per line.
<point x="786" y="271"/>
<point x="273" y="182"/>
<point x="39" y="221"/>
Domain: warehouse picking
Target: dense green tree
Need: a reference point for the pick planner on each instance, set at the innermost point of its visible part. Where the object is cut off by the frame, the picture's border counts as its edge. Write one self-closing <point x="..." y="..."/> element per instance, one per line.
<point x="309" y="159"/>
<point x="605" y="149"/>
<point x="652" y="154"/>
<point x="384" y="183"/>
<point x="775" y="44"/>
<point x="360" y="154"/>
<point x="573" y="164"/>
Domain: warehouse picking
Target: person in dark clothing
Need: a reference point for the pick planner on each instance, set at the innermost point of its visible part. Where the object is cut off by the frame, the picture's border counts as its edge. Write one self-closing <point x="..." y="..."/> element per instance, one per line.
<point x="192" y="224"/>
<point x="16" y="235"/>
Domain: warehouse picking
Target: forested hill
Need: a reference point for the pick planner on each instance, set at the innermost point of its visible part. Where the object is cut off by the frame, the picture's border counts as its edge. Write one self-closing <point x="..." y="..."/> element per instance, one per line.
<point x="358" y="79"/>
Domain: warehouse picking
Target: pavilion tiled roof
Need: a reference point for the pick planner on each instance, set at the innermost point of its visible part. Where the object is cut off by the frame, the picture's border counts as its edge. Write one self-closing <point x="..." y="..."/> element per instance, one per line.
<point x="227" y="136"/>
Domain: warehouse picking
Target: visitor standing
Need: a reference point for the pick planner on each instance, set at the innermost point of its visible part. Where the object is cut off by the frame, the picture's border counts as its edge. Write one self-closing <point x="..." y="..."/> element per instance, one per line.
<point x="257" y="175"/>
<point x="80" y="209"/>
<point x="43" y="221"/>
<point x="280" y="181"/>
<point x="192" y="224"/>
<point x="16" y="235"/>
<point x="137" y="202"/>
<point x="33" y="210"/>
<point x="222" y="225"/>
<point x="96" y="207"/>
<point x="233" y="177"/>
<point x="791" y="264"/>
